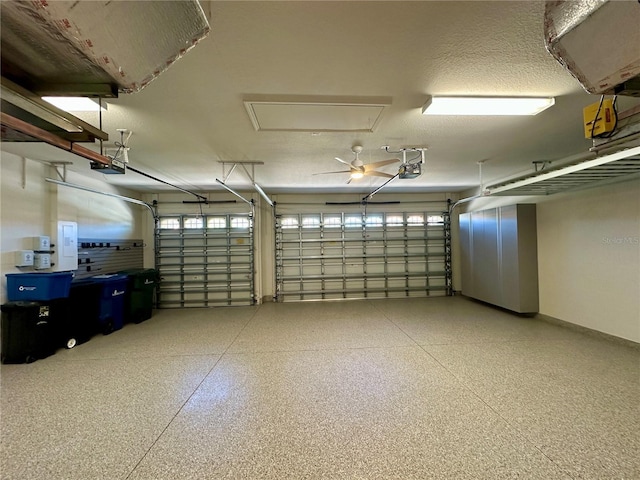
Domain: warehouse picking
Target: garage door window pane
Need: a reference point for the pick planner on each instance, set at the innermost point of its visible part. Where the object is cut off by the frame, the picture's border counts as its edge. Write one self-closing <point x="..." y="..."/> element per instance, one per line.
<point x="310" y="222"/>
<point x="351" y="221"/>
<point x="435" y="219"/>
<point x="239" y="222"/>
<point x="195" y="222"/>
<point x="170" y="223"/>
<point x="395" y="219"/>
<point x="374" y="220"/>
<point x="217" y="222"/>
<point x="289" y="222"/>
<point x="415" y="219"/>
<point x="332" y="221"/>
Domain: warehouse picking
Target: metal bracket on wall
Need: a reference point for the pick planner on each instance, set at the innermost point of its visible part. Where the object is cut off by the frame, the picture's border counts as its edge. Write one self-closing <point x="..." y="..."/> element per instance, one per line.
<point x="234" y="164"/>
<point x="243" y="164"/>
<point x="57" y="165"/>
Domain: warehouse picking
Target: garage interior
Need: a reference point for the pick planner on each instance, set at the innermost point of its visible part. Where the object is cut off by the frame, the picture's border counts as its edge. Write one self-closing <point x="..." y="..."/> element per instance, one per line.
<point x="350" y="286"/>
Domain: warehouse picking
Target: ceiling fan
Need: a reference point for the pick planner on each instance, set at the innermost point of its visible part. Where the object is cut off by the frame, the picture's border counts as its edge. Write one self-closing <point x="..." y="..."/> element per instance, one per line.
<point x="357" y="169"/>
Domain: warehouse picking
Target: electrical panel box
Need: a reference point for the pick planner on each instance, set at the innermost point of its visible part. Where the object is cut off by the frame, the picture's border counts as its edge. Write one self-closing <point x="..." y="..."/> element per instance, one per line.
<point x="41" y="261"/>
<point x="65" y="257"/>
<point x="24" y="258"/>
<point x="41" y="243"/>
<point x="599" y="118"/>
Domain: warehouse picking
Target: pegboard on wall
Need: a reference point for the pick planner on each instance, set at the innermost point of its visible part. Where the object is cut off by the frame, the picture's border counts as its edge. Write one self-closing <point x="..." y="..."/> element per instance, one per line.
<point x="100" y="256"/>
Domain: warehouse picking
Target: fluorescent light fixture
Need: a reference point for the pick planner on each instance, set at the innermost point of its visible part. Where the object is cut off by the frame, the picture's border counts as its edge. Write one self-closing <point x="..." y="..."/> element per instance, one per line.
<point x="76" y="104"/>
<point x="35" y="108"/>
<point x="486" y="105"/>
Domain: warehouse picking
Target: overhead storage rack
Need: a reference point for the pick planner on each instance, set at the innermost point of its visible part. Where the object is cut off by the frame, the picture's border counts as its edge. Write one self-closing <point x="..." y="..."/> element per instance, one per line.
<point x="618" y="166"/>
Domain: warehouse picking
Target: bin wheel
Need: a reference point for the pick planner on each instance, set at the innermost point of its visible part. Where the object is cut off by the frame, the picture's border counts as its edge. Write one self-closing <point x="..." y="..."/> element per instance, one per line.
<point x="72" y="342"/>
<point x="108" y="328"/>
<point x="30" y="359"/>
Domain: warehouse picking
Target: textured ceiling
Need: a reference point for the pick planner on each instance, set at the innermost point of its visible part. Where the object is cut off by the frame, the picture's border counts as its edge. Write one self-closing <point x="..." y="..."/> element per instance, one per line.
<point x="192" y="116"/>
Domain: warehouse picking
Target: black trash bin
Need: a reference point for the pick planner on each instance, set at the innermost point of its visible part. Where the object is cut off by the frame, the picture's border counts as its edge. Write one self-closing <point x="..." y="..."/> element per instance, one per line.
<point x="29" y="321"/>
<point x="80" y="321"/>
<point x="27" y="332"/>
<point x="139" y="298"/>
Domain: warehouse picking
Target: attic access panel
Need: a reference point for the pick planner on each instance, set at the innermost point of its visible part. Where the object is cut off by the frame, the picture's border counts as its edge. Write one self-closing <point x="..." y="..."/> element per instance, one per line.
<point x="316" y="114"/>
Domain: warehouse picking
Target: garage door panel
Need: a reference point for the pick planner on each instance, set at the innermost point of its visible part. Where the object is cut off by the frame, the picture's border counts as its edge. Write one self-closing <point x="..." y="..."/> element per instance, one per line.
<point x="376" y="269"/>
<point x="342" y="256"/>
<point x="205" y="260"/>
<point x="378" y="284"/>
<point x="354" y="269"/>
<point x="333" y="269"/>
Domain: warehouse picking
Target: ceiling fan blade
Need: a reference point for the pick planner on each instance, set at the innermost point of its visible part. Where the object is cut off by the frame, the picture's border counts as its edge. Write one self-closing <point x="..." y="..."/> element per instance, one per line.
<point x="349" y="181"/>
<point x="375" y="173"/>
<point x="327" y="173"/>
<point x="381" y="163"/>
<point x="342" y="161"/>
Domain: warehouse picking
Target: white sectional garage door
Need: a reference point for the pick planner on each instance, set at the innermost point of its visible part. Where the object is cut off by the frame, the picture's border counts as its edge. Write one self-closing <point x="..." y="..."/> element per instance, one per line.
<point x="358" y="254"/>
<point x="205" y="260"/>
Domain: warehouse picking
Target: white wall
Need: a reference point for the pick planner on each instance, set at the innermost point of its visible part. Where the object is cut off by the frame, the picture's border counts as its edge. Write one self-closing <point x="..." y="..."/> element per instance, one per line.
<point x="588" y="256"/>
<point x="589" y="259"/>
<point x="29" y="206"/>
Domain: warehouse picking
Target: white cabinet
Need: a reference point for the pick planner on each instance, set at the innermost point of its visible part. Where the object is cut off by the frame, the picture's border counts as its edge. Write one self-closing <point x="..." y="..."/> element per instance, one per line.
<point x="499" y="257"/>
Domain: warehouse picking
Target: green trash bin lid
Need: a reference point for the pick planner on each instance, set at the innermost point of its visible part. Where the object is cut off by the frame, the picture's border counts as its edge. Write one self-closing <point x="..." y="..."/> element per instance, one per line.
<point x="142" y="278"/>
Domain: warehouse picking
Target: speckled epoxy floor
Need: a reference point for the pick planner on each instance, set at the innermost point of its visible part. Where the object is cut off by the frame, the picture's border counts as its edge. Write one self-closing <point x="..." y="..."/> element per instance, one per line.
<point x="440" y="388"/>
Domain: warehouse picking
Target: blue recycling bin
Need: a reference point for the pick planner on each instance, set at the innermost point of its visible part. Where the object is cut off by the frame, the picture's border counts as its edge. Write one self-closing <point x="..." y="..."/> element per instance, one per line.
<point x="38" y="286"/>
<point x="112" y="301"/>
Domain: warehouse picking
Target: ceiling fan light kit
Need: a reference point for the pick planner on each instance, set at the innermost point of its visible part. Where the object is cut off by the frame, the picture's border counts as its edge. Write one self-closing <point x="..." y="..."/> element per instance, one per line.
<point x="464" y="105"/>
<point x="358" y="169"/>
